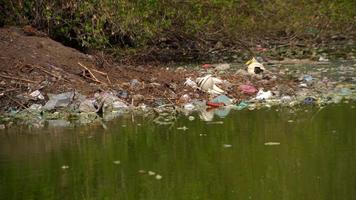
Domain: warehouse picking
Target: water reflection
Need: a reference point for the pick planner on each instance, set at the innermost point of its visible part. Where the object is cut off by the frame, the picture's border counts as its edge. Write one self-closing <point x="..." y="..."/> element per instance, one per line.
<point x="314" y="160"/>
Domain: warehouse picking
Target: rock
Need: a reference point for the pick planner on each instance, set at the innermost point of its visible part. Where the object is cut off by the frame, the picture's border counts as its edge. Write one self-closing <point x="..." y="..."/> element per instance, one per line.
<point x="87" y="106"/>
<point x="35" y="108"/>
<point x="58" y="123"/>
<point x="59" y="100"/>
<point x="119" y="105"/>
<point x="122" y="94"/>
<point x="138" y="97"/>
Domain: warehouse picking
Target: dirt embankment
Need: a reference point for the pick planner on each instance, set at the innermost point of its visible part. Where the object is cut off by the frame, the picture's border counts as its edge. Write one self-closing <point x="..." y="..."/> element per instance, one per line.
<point x="31" y="61"/>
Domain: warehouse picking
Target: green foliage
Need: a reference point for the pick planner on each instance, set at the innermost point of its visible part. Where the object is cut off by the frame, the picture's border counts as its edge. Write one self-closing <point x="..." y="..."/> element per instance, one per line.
<point x="124" y="23"/>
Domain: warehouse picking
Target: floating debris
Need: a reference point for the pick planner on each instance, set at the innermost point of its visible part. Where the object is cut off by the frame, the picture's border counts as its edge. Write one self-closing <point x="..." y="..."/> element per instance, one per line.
<point x="184" y="128"/>
<point x="158" y="177"/>
<point x="272" y="143"/>
<point x="151" y="173"/>
<point x="191" y="118"/>
<point x="227" y="145"/>
<point x="116" y="162"/>
<point x="64" y="167"/>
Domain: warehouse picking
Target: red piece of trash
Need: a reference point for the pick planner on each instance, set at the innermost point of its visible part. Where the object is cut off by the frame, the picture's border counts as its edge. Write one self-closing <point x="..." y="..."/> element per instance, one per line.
<point x="248" y="89"/>
<point x="215" y="104"/>
<point x="206" y="66"/>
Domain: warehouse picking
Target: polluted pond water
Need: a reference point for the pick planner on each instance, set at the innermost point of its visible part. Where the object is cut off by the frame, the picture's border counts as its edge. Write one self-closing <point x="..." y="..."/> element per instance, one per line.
<point x="270" y="153"/>
<point x="268" y="146"/>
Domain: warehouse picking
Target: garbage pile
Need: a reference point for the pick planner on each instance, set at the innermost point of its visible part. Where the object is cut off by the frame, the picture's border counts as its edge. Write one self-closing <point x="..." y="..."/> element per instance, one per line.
<point x="213" y="90"/>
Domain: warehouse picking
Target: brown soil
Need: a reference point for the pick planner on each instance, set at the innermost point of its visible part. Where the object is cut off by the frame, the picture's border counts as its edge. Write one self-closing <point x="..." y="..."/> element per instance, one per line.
<point x="30" y="61"/>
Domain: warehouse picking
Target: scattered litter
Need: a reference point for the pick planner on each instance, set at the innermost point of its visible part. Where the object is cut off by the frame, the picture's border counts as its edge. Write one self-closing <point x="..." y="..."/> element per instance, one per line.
<point x="189" y="82"/>
<point x="116" y="162"/>
<point x="215" y="104"/>
<point x="36" y="95"/>
<point x="216" y="122"/>
<point x="189" y="106"/>
<point x="222" y="99"/>
<point x="272" y="143"/>
<point x="151" y="173"/>
<point x="309" y="101"/>
<point x="222" y="67"/>
<point x="222" y="112"/>
<point x="227" y="145"/>
<point x="248" y="89"/>
<point x="158" y="177"/>
<point x="184" y="128"/>
<point x="64" y="167"/>
<point x="59" y="100"/>
<point x="242" y="105"/>
<point x="191" y="118"/>
<point x="87" y="106"/>
<point x="307" y="78"/>
<point x="35" y="108"/>
<point x="254" y="67"/>
<point x="206" y="115"/>
<point x="323" y="59"/>
<point x="207" y="84"/>
<point x="261" y="95"/>
<point x="184" y="99"/>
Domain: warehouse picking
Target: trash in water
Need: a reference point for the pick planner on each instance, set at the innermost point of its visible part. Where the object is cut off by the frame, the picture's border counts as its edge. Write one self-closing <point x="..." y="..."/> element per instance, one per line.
<point x="64" y="167"/>
<point x="222" y="112"/>
<point x="242" y="105"/>
<point x="247" y="89"/>
<point x="262" y="95"/>
<point x="272" y="143"/>
<point x="206" y="115"/>
<point x="189" y="106"/>
<point x="151" y="173"/>
<point x="116" y="162"/>
<point x="184" y="128"/>
<point x="227" y="145"/>
<point x="222" y="99"/>
<point x="191" y="118"/>
<point x="158" y="177"/>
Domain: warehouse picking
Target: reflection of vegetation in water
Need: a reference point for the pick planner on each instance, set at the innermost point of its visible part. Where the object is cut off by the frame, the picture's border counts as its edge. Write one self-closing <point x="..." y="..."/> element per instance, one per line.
<point x="313" y="160"/>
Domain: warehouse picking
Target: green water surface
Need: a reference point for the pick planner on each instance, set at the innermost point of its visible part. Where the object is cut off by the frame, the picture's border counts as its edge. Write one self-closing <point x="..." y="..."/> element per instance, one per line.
<point x="313" y="157"/>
